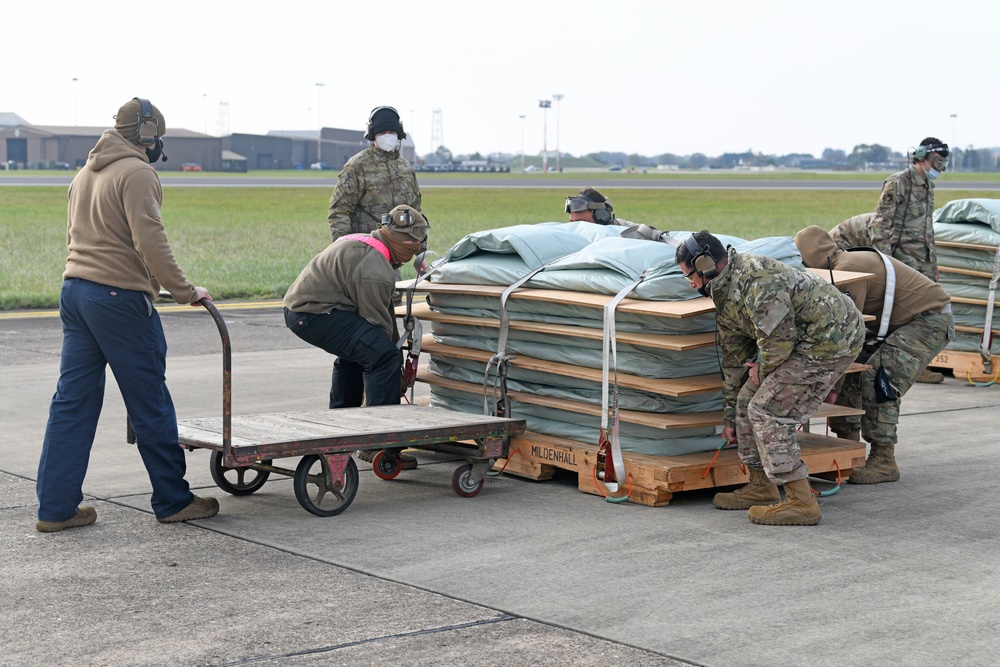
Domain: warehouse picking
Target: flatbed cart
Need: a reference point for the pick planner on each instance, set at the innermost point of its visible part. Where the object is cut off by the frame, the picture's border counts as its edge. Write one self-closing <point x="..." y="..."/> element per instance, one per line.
<point x="326" y="479"/>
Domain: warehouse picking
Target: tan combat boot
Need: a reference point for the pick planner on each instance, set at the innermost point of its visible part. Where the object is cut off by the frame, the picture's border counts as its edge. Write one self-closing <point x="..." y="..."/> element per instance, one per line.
<point x="759" y="491"/>
<point x="799" y="508"/>
<point x="880" y="467"/>
<point x="928" y="376"/>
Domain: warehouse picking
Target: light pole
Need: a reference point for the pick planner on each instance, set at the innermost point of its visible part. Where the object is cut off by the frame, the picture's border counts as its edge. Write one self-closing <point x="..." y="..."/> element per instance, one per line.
<point x="522" y="141"/>
<point x="557" y="98"/>
<point x="545" y="104"/>
<point x="954" y="141"/>
<point x="204" y="99"/>
<point x="319" y="121"/>
<point x="75" y="82"/>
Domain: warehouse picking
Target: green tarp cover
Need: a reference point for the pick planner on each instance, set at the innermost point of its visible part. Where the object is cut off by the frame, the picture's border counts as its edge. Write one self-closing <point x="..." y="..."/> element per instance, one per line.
<point x="572" y="388"/>
<point x="566" y="314"/>
<point x="580" y="257"/>
<point x="983" y="211"/>
<point x="583" y="257"/>
<point x="975" y="221"/>
<point x="586" y="428"/>
<point x="585" y="352"/>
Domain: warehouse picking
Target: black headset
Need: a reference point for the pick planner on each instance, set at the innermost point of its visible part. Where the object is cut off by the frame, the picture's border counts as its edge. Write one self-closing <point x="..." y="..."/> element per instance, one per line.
<point x="701" y="260"/>
<point x="147" y="130"/>
<point x="921" y="152"/>
<point x="371" y="117"/>
<point x="603" y="212"/>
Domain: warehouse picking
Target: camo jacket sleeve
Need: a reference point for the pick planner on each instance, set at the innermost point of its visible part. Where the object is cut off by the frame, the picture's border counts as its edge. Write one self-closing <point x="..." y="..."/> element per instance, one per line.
<point x="882" y="224"/>
<point x="346" y="195"/>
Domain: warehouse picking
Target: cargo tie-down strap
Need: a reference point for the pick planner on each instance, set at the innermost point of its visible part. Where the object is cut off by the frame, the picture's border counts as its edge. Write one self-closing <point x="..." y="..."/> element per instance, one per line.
<point x="984" y="347"/>
<point x="413" y="330"/>
<point x="502" y="361"/>
<point x="612" y="474"/>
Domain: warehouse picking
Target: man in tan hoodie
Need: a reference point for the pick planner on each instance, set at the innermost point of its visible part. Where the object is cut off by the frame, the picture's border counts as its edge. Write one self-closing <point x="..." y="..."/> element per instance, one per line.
<point x="920" y="325"/>
<point x="118" y="259"/>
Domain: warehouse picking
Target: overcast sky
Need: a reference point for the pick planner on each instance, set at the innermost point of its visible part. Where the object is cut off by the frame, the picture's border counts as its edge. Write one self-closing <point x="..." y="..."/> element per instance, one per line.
<point x="643" y="76"/>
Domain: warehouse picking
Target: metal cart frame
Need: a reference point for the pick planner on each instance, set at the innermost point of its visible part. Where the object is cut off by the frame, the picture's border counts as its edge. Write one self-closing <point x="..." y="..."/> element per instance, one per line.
<point x="326" y="478"/>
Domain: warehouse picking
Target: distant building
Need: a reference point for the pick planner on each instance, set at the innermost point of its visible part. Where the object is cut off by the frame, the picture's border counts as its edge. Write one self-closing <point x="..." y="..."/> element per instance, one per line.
<point x="58" y="147"/>
<point x="333" y="147"/>
<point x="27" y="146"/>
<point x="10" y="119"/>
<point x="233" y="162"/>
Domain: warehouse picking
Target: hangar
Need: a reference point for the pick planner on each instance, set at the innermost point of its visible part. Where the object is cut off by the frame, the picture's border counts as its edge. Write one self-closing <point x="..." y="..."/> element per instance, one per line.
<point x="27" y="146"/>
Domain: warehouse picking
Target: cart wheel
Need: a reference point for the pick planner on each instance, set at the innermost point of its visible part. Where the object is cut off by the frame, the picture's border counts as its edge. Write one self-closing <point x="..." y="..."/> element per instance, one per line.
<point x="386" y="467"/>
<point x="312" y="491"/>
<point x="238" y="481"/>
<point x="461" y="481"/>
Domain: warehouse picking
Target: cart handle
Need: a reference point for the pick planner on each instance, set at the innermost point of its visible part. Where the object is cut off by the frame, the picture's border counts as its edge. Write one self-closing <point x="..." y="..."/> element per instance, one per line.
<point x="227" y="378"/>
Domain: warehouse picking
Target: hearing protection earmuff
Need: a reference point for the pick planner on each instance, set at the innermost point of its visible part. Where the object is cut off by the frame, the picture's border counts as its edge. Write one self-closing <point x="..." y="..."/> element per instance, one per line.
<point x="370" y="135"/>
<point x="921" y="152"/>
<point x="605" y="214"/>
<point x="603" y="211"/>
<point x="701" y="258"/>
<point x="147" y="130"/>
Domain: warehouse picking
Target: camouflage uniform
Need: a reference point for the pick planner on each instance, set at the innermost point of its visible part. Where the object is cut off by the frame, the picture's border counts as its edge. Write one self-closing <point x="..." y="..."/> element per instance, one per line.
<point x="806" y="333"/>
<point x="904" y="355"/>
<point x="371" y="184"/>
<point x="854" y="232"/>
<point x="903" y="224"/>
<point x="920" y="325"/>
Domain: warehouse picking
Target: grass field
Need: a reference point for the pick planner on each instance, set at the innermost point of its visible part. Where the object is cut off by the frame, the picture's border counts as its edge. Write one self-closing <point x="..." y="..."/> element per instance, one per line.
<point x="247" y="243"/>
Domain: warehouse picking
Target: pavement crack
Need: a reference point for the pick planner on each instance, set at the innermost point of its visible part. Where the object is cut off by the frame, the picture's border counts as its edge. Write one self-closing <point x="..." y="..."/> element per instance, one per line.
<point x="502" y="618"/>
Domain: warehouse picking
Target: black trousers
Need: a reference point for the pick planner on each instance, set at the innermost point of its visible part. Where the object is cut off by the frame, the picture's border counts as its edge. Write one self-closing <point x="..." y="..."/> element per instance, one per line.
<point x="367" y="368"/>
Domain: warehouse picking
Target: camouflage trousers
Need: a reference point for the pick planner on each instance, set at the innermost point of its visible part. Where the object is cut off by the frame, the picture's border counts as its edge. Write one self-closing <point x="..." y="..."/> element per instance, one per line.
<point x="768" y="416"/>
<point x="904" y="355"/>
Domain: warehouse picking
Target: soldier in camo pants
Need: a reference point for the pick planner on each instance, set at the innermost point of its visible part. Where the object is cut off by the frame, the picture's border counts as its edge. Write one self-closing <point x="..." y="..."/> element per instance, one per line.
<point x="786" y="337"/>
<point x="903" y="224"/>
<point x="920" y="326"/>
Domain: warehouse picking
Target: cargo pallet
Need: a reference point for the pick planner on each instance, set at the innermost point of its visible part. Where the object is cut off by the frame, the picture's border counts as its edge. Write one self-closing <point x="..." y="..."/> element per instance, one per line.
<point x="655" y="479"/>
<point x="966" y="365"/>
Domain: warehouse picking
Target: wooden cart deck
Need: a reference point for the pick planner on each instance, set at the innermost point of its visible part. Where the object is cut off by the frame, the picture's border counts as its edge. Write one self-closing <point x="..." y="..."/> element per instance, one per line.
<point x="278" y="435"/>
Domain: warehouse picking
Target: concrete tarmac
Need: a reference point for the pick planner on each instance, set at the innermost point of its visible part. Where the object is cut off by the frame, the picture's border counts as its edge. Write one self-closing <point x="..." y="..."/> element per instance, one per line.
<point x="526" y="573"/>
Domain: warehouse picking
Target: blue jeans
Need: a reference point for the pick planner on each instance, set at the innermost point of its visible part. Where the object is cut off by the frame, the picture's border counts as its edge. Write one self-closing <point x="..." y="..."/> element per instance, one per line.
<point x="104" y="326"/>
<point x="368" y="363"/>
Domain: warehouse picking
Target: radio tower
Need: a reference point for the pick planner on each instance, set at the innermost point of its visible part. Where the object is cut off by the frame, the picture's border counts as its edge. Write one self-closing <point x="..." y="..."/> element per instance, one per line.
<point x="437" y="131"/>
<point x="223" y="126"/>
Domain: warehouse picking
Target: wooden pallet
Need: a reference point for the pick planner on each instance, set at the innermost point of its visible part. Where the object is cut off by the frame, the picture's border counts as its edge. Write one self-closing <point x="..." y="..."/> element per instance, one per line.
<point x="655" y="479"/>
<point x="967" y="365"/>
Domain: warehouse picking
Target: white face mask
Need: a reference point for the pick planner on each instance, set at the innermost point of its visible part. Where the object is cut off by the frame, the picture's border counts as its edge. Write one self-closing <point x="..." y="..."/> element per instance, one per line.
<point x="387" y="142"/>
<point x="933" y="173"/>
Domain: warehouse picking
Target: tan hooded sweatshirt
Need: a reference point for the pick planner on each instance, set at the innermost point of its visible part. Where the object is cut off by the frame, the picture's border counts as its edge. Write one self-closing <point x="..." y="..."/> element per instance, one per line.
<point x="915" y="293"/>
<point x="113" y="231"/>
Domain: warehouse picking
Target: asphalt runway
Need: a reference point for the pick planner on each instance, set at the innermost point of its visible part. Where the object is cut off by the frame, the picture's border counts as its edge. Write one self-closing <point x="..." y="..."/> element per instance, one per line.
<point x="492" y="181"/>
<point x="526" y="574"/>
